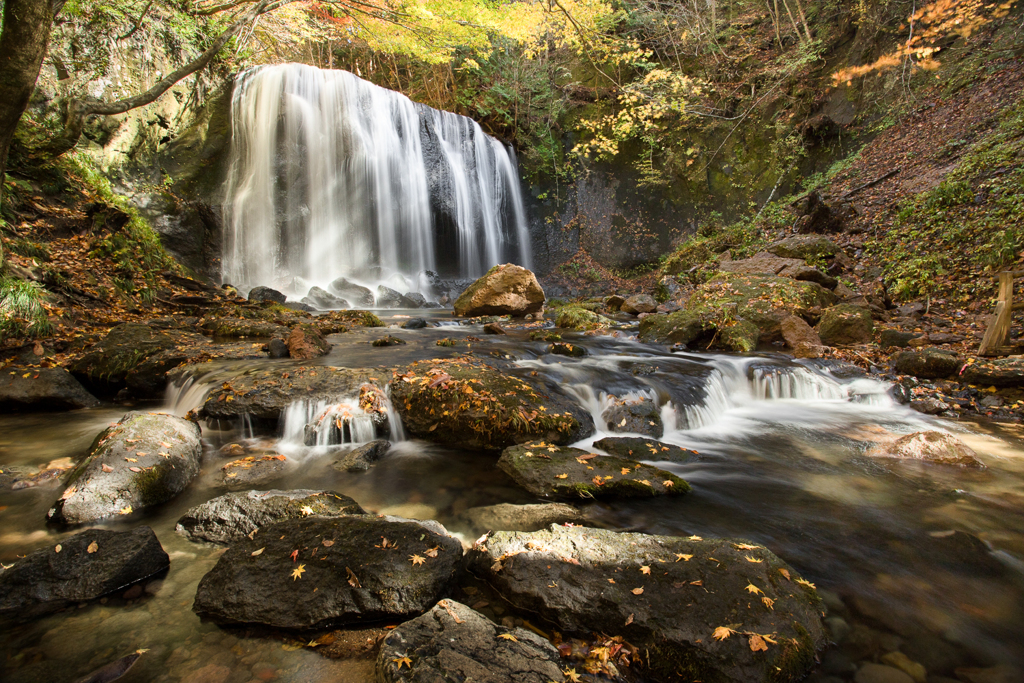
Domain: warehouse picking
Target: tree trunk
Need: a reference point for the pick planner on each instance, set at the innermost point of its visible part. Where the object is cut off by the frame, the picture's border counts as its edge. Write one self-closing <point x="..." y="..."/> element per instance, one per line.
<point x="26" y="34"/>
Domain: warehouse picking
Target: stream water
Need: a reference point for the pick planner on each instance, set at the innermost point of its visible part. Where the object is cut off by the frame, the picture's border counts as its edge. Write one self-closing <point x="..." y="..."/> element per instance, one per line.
<point x="892" y="546"/>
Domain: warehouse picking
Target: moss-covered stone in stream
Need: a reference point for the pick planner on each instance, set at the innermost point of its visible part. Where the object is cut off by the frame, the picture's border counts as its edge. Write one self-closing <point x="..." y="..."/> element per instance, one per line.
<point x="734" y="306"/>
<point x="470" y="403"/>
<point x="571" y="474"/>
<point x="106" y="365"/>
<point x="241" y="327"/>
<point x="574" y="317"/>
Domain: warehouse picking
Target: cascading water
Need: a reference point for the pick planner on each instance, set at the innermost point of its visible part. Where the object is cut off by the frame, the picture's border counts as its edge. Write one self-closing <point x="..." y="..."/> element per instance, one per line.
<point x="333" y="176"/>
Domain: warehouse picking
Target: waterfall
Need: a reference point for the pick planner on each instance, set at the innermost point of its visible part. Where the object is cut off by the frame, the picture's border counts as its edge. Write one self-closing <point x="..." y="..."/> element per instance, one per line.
<point x="332" y="176"/>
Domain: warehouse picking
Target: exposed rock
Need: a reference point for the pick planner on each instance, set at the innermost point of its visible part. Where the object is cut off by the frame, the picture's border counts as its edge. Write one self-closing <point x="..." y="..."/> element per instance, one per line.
<point x="668" y="598"/>
<point x="233" y="328"/>
<point x="1004" y="372"/>
<point x="635" y="448"/>
<point x="414" y="324"/>
<point x="300" y="306"/>
<point x="929" y="405"/>
<point x="388" y="340"/>
<point x="277" y="348"/>
<point x="614" y="302"/>
<point x="38" y="389"/>
<point x="390" y="298"/>
<point x="494" y="328"/>
<point x="801" y="337"/>
<point x="929" y="363"/>
<point x="252" y="471"/>
<point x="265" y="394"/>
<point x="567" y="349"/>
<point x="453" y="643"/>
<point x="761" y="300"/>
<point x="261" y="294"/>
<point x="360" y="458"/>
<point x="82" y="567"/>
<point x="669" y="288"/>
<point x="444" y="401"/>
<point x="106" y="366"/>
<point x="505" y="290"/>
<point x="936" y="447"/>
<point x="418" y="300"/>
<point x="508" y="517"/>
<point x="639" y="303"/>
<point x="579" y="318"/>
<point x="888" y="339"/>
<point x="805" y="247"/>
<point x="767" y="264"/>
<point x="635" y="416"/>
<point x="572" y="474"/>
<point x="305" y="342"/>
<point x="846" y="324"/>
<point x="324" y="300"/>
<point x="350" y="291"/>
<point x="144" y="460"/>
<point x="815" y="216"/>
<point x="357" y="578"/>
<point x="234" y="516"/>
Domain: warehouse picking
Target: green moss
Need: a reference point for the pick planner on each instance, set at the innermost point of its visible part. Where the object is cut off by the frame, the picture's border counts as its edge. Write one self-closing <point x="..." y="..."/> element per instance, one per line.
<point x="575" y="317"/>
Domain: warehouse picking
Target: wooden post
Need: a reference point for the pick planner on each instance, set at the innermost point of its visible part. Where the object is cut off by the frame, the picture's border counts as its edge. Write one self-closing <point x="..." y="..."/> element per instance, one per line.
<point x="998" y="333"/>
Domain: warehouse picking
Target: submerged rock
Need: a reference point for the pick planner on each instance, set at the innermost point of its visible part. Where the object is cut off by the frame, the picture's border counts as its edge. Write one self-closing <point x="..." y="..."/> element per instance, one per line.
<point x="357" y="294"/>
<point x="453" y="643"/>
<point x="636" y="448"/>
<point x="930" y="446"/>
<point x="24" y="388"/>
<point x="261" y="294"/>
<point x="505" y="290"/>
<point x="472" y="404"/>
<point x="571" y="474"/>
<point x="361" y="458"/>
<point x="342" y="573"/>
<point x="234" y="516"/>
<point x="846" y="324"/>
<point x="83" y="567"/>
<point x="635" y="416"/>
<point x="144" y="460"/>
<point x="701" y="608"/>
<point x="508" y="517"/>
<point x="305" y="342"/>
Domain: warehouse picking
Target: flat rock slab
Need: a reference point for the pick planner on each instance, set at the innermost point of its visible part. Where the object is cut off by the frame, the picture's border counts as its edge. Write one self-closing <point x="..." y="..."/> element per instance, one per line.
<point x="712" y="610"/>
<point x="931" y="363"/>
<point x="1005" y="372"/>
<point x="252" y="470"/>
<point x="144" y="460"/>
<point x="571" y="474"/>
<point x="23" y="388"/>
<point x="508" y="517"/>
<point x="930" y="446"/>
<point x="315" y="572"/>
<point x="644" y="449"/>
<point x="453" y="643"/>
<point x="83" y="567"/>
<point x="234" y="516"/>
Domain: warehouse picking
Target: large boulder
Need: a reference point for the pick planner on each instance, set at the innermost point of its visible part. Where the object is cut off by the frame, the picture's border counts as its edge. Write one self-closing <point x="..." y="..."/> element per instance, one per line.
<point x="105" y="367"/>
<point x="846" y="324"/>
<point x="768" y="264"/>
<point x="470" y="403"/>
<point x="763" y="301"/>
<point x="233" y="516"/>
<point x="639" y="303"/>
<point x="453" y="643"/>
<point x="549" y="471"/>
<point x="305" y="342"/>
<point x="266" y="294"/>
<point x="362" y="457"/>
<point x="314" y="572"/>
<point x="509" y="517"/>
<point x="1005" y="372"/>
<point x="38" y="389"/>
<point x="82" y="567"/>
<point x="634" y="416"/>
<point x="929" y="363"/>
<point x="324" y="300"/>
<point x="710" y="610"/>
<point x="390" y="298"/>
<point x="801" y="337"/>
<point x="505" y="290"/>
<point x="143" y="460"/>
<point x="930" y="446"/>
<point x="350" y="291"/>
<point x="805" y="247"/>
<point x="238" y="328"/>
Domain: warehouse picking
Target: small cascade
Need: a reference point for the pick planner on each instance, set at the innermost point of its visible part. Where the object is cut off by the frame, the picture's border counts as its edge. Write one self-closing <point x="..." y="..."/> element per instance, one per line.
<point x="327" y="423"/>
<point x="332" y="176"/>
<point x="182" y="398"/>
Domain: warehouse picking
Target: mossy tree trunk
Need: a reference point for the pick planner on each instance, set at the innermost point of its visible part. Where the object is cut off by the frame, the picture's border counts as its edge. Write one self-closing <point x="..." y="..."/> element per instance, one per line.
<point x="23" y="43"/>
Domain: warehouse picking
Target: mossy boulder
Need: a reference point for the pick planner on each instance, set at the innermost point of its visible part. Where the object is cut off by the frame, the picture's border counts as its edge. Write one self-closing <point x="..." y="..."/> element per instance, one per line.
<point x="106" y="365"/>
<point x="634" y="416"/>
<point x="805" y="247"/>
<point x="470" y="403"/>
<point x="142" y="461"/>
<point x="712" y="610"/>
<point x="759" y="301"/>
<point x="577" y="317"/>
<point x="1003" y="372"/>
<point x="235" y="328"/>
<point x="636" y="448"/>
<point x="342" y="573"/>
<point x="846" y="324"/>
<point x="564" y="473"/>
<point x="506" y="289"/>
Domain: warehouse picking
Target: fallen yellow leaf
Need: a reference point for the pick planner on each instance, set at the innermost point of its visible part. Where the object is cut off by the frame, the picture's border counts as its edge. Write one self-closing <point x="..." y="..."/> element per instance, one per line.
<point x="722" y="632"/>
<point x="297" y="572"/>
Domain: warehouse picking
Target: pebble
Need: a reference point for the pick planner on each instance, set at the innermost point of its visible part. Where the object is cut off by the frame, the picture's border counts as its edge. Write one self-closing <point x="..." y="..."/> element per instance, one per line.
<point x="879" y="673"/>
<point x="837" y="628"/>
<point x="907" y="666"/>
<point x="211" y="673"/>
